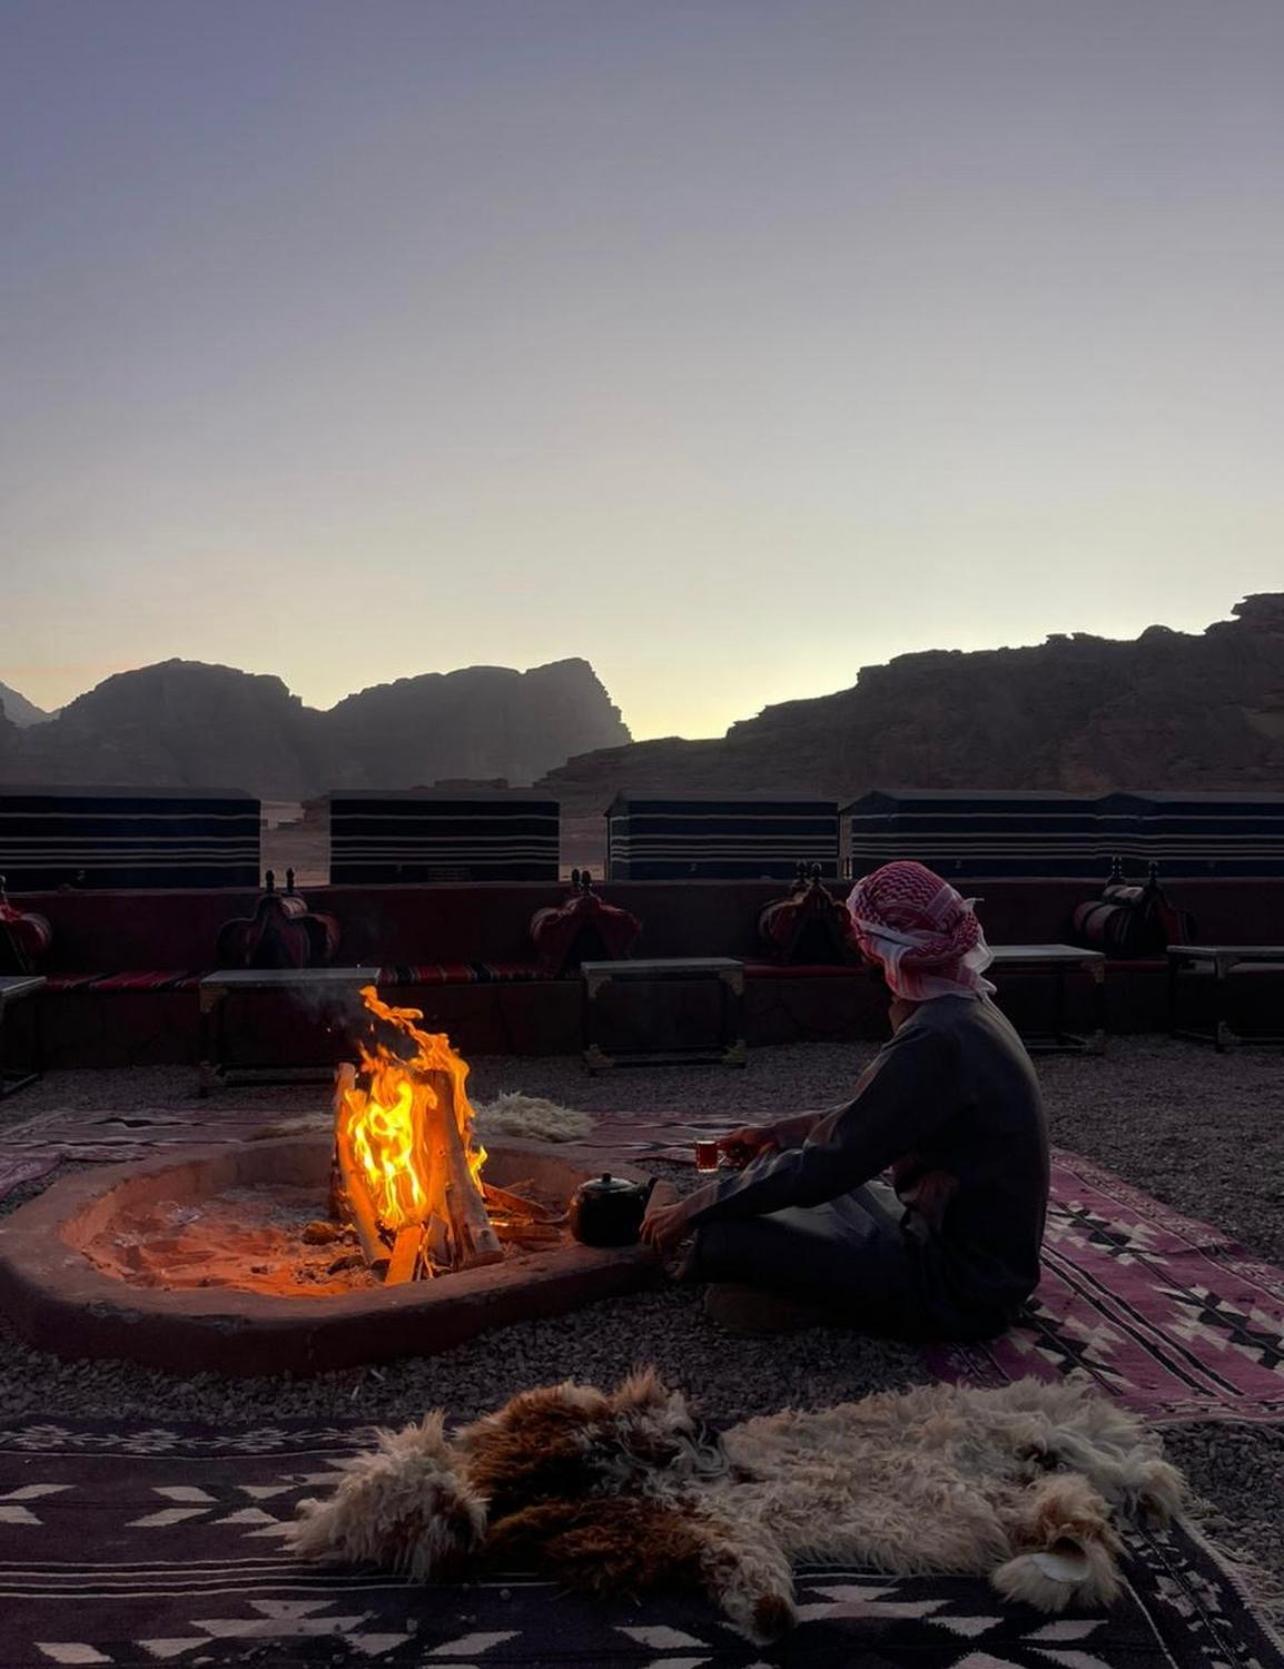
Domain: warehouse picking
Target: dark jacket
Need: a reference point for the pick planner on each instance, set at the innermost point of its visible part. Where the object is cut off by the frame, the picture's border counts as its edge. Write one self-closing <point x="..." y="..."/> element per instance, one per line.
<point x="951" y="1104"/>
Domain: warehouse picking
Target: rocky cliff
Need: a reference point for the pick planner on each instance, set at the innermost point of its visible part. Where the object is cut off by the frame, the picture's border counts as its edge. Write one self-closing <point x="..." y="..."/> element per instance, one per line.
<point x="1080" y="713"/>
<point x="18" y="710"/>
<point x="182" y="723"/>
<point x="484" y="722"/>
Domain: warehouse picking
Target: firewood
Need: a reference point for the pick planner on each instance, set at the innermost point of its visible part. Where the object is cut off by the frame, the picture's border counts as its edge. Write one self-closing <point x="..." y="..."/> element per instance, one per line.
<point x="517" y="1205"/>
<point x="321" y="1233"/>
<point x="405" y="1255"/>
<point x="357" y="1199"/>
<point x="475" y="1239"/>
<point x="527" y="1234"/>
<point x="345" y="1078"/>
<point x="436" y="1244"/>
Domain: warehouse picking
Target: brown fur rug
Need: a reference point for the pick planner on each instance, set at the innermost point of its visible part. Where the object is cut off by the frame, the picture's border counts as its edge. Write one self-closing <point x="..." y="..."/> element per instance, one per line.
<point x="625" y="1491"/>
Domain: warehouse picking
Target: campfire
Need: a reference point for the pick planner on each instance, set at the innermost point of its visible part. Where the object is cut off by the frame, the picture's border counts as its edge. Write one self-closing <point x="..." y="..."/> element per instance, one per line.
<point x="407" y="1172"/>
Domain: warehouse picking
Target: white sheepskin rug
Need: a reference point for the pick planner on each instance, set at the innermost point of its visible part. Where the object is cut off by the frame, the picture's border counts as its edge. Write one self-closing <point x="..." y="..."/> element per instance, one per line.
<point x="623" y="1491"/>
<point x="527" y="1118"/>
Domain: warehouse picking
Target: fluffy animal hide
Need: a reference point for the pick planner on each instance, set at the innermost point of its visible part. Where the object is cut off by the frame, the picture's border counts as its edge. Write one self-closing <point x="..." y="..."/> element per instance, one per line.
<point x="528" y="1118"/>
<point x="625" y="1491"/>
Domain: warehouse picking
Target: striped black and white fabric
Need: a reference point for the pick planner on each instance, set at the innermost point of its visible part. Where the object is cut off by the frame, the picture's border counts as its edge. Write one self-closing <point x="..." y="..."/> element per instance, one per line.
<point x="963" y="834"/>
<point x="1191" y="835"/>
<point x="443" y="835"/>
<point x="653" y="838"/>
<point x="969" y="835"/>
<point x="128" y="838"/>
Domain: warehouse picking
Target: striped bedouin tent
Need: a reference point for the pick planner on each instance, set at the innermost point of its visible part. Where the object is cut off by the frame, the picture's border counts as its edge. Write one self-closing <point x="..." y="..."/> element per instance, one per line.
<point x="128" y="838"/>
<point x="443" y="835"/>
<point x="660" y="838"/>
<point x="967" y="834"/>
<point x="1191" y="835"/>
<point x="972" y="835"/>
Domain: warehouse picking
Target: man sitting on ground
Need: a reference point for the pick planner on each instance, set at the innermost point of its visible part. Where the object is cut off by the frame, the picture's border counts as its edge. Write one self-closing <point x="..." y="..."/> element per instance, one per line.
<point x="951" y="1105"/>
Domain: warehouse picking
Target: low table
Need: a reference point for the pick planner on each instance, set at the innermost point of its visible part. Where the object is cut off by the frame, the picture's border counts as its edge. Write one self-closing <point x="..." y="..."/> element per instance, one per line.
<point x="647" y="978"/>
<point x="1221" y="961"/>
<point x="215" y="988"/>
<point x="14" y="988"/>
<point x="1058" y="961"/>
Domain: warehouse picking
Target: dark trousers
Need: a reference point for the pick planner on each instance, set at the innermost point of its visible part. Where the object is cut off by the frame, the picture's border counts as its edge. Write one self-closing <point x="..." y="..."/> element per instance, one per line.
<point x="850" y="1256"/>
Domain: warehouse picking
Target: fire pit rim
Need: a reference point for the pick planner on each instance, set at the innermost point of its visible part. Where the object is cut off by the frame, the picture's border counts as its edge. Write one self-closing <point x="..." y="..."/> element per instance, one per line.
<point x="62" y="1302"/>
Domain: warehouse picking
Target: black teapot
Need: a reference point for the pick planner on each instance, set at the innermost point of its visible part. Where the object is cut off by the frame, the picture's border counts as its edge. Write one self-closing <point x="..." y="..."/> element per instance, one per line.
<point x="608" y="1211"/>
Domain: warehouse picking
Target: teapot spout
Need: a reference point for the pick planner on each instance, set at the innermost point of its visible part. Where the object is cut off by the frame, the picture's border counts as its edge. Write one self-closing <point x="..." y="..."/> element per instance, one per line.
<point x="649" y="1188"/>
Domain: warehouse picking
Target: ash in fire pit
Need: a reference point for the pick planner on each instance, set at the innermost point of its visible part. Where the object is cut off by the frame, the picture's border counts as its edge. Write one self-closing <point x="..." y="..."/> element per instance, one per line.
<point x="265" y="1239"/>
<point x="261" y="1239"/>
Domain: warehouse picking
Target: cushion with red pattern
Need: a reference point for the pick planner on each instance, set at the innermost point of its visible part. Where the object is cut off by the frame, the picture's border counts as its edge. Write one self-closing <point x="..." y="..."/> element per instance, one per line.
<point x="1131" y="922"/>
<point x="584" y="929"/>
<point x="25" y="938"/>
<point x="282" y="933"/>
<point x="809" y="926"/>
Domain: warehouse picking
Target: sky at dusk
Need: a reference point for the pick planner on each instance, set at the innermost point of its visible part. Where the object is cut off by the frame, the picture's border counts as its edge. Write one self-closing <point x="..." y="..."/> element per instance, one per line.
<point x="730" y="344"/>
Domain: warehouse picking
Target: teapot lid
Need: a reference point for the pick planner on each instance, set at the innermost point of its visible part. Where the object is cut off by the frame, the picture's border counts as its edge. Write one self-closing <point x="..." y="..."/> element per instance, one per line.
<point x="608" y="1184"/>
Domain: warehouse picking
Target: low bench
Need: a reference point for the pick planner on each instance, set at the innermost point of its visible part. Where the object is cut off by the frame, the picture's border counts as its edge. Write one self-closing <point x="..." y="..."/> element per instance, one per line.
<point x="321" y="987"/>
<point x="15" y="989"/>
<point x="1058" y="961"/>
<point x="646" y="1026"/>
<point x="1221" y="962"/>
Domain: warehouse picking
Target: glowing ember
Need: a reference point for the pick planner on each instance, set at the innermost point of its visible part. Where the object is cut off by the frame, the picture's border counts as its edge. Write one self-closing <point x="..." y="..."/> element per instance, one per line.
<point x="407" y="1160"/>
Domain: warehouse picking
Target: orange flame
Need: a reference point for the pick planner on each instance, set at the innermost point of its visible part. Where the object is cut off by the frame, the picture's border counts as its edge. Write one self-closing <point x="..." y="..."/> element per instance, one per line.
<point x="399" y="1146"/>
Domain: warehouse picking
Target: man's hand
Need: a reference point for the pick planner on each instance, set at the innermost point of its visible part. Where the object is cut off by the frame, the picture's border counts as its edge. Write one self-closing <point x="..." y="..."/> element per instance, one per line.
<point x="748" y="1143"/>
<point x="663" y="1227"/>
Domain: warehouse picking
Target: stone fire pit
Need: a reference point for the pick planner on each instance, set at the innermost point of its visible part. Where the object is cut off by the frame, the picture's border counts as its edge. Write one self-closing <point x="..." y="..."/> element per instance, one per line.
<point x="60" y="1292"/>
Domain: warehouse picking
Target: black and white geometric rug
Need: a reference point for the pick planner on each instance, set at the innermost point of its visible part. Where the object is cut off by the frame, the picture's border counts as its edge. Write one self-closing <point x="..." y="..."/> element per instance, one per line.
<point x="131" y="1545"/>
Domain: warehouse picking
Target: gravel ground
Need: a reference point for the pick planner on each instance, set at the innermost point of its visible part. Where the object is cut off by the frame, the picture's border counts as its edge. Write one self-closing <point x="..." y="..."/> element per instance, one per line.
<point x="1201" y="1131"/>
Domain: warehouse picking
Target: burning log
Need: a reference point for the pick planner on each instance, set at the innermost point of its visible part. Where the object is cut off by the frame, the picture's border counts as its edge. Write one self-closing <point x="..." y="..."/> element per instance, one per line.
<point x="530" y="1236"/>
<point x="474" y="1237"/>
<point x="517" y="1205"/>
<point x="405" y="1256"/>
<point x="355" y="1194"/>
<point x="405" y="1168"/>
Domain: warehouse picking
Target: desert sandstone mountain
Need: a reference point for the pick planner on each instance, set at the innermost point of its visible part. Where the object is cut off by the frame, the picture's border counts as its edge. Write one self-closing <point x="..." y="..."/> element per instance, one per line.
<point x="18" y="710"/>
<point x="1081" y="713"/>
<point x="182" y="723"/>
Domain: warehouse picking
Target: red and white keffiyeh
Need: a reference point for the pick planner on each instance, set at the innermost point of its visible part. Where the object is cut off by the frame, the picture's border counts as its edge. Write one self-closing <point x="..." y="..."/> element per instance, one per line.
<point x="925" y="935"/>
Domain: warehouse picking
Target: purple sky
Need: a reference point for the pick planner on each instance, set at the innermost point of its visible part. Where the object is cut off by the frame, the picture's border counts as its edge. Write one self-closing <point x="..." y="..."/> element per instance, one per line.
<point x="730" y="344"/>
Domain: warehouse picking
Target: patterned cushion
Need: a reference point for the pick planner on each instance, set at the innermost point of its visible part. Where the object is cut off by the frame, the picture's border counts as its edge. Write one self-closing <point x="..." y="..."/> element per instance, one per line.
<point x="458" y="973"/>
<point x="583" y="929"/>
<point x="282" y="933"/>
<point x="24" y="939"/>
<point x="399" y="973"/>
<point x="809" y="926"/>
<point x="179" y="979"/>
<point x="1131" y="922"/>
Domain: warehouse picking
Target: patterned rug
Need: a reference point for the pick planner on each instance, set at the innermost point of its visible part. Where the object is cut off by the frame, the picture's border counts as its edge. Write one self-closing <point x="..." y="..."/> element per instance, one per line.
<point x="1165" y="1313"/>
<point x="1162" y="1312"/>
<point x="147" y="1545"/>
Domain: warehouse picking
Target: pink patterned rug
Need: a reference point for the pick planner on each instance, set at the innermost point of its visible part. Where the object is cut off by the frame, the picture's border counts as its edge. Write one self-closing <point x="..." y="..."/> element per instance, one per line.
<point x="1165" y="1313"/>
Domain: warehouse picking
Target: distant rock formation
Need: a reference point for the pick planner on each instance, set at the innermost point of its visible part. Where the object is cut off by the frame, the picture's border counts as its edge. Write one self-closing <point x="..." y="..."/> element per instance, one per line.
<point x="479" y="724"/>
<point x="1079" y="713"/>
<point x="18" y="710"/>
<point x="185" y="724"/>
